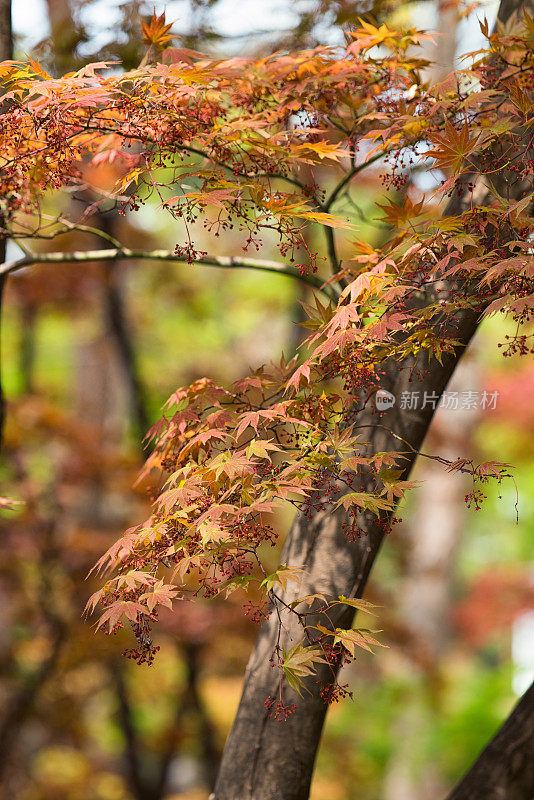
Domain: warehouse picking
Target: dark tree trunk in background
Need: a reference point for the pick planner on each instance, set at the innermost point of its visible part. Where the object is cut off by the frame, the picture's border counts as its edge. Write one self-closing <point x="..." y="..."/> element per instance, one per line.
<point x="6" y="36"/>
<point x="65" y="36"/>
<point x="206" y="732"/>
<point x="27" y="345"/>
<point x="120" y="330"/>
<point x="6" y="53"/>
<point x="505" y="768"/>
<point x="148" y="778"/>
<point x="21" y="704"/>
<point x="264" y="759"/>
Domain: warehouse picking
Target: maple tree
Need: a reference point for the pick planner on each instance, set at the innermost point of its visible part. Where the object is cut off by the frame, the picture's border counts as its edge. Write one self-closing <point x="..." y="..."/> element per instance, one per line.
<point x="223" y="143"/>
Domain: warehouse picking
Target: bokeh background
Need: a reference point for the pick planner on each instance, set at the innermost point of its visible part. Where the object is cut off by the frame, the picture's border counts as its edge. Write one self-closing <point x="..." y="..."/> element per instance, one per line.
<point x="88" y="357"/>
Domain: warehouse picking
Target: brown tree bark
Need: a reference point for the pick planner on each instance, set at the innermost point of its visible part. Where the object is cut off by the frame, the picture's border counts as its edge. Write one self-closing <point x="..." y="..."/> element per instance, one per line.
<point x="263" y="759"/>
<point x="505" y="768"/>
<point x="430" y="541"/>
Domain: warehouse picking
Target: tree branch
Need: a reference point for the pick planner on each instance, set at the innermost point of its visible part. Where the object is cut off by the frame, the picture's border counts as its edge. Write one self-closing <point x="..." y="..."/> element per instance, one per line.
<point x="332" y="251"/>
<point x="334" y="194"/>
<point x="222" y="262"/>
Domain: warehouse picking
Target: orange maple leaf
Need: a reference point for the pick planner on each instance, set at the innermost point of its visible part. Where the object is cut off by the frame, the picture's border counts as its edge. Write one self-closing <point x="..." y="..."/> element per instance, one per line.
<point x="156" y="31"/>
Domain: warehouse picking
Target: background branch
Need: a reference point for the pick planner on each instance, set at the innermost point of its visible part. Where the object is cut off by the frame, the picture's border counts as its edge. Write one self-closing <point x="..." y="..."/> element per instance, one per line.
<point x="222" y="262"/>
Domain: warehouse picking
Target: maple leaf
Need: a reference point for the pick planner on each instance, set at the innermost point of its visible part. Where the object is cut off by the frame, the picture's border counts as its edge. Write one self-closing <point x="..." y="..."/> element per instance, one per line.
<point x="299" y="662"/>
<point x="453" y="146"/>
<point x="211" y="532"/>
<point x="393" y="487"/>
<point x="94" y="600"/>
<point x="369" y="502"/>
<point x="184" y="566"/>
<point x="357" y="637"/>
<point x="495" y="469"/>
<point x="113" y="614"/>
<point x="206" y="436"/>
<point x="155" y="32"/>
<point x="389" y="459"/>
<point x="308" y="599"/>
<point x="37" y="68"/>
<point x="249" y="419"/>
<point x="324" y="150"/>
<point x="261" y="448"/>
<point x="361" y="605"/>
<point x="323" y="218"/>
<point x="119" y="550"/>
<point x="396" y="215"/>
<point x="132" y="578"/>
<point x="238" y="582"/>
<point x="459" y="465"/>
<point x="301" y="375"/>
<point x="352" y="637"/>
<point x="282" y="575"/>
<point x="161" y="594"/>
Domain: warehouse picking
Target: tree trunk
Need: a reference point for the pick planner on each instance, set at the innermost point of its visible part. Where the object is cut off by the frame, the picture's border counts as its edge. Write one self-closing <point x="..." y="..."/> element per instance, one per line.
<point x="505" y="768"/>
<point x="119" y="329"/>
<point x="264" y="759"/>
<point x="6" y="53"/>
<point x="430" y="542"/>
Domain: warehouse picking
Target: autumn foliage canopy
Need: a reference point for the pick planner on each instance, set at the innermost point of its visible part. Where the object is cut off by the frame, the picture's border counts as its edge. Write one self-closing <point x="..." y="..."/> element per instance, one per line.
<point x="237" y="144"/>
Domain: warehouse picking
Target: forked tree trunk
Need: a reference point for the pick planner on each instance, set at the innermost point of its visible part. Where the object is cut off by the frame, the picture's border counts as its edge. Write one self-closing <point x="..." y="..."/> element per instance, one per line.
<point x="430" y="542"/>
<point x="267" y="760"/>
<point x="263" y="758"/>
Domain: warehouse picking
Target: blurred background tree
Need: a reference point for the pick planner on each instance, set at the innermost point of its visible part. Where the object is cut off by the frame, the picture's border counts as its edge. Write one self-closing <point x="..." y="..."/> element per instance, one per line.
<point x="85" y="374"/>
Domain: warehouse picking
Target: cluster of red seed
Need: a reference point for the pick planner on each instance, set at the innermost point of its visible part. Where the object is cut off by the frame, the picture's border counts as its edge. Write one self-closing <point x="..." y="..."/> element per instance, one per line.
<point x="517" y="345"/>
<point x="334" y="692"/>
<point x="475" y="498"/>
<point x="256" y="612"/>
<point x="142" y="655"/>
<point x="278" y="709"/>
